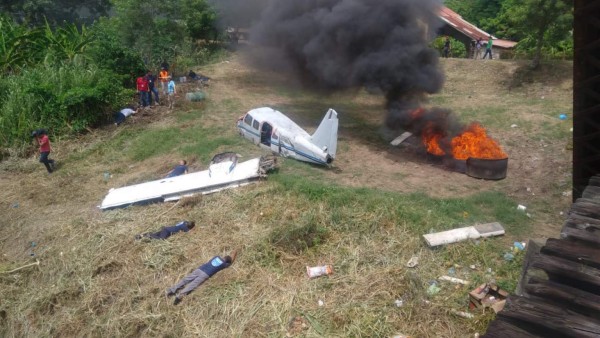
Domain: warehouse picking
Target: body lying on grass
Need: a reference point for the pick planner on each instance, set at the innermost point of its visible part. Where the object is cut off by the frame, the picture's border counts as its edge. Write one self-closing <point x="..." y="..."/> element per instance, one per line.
<point x="180" y="169"/>
<point x="166" y="232"/>
<point x="190" y="282"/>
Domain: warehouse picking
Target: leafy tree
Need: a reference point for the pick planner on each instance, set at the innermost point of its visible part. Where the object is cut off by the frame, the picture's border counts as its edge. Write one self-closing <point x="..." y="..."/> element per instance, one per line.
<point x="481" y="13"/>
<point x="543" y="22"/>
<point x="108" y="52"/>
<point x="163" y="29"/>
<point x="200" y="19"/>
<point x="37" y="12"/>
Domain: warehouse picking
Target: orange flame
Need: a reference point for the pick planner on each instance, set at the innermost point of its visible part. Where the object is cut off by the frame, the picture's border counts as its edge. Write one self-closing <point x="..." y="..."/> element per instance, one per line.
<point x="474" y="142"/>
<point x="431" y="139"/>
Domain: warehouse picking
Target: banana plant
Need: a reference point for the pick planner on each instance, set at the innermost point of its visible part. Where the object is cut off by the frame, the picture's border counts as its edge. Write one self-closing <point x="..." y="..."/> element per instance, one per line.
<point x="66" y="43"/>
<point x="15" y="45"/>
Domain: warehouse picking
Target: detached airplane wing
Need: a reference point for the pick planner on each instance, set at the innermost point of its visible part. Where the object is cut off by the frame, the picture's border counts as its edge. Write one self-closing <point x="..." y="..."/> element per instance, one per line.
<point x="220" y="176"/>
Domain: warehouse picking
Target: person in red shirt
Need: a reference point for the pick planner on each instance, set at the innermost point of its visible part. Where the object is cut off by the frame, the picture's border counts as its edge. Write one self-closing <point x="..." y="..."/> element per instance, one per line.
<point x="142" y="88"/>
<point x="44" y="143"/>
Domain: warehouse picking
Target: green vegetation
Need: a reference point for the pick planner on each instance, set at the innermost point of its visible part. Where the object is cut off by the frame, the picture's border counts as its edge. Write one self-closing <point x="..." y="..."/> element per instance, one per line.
<point x="543" y="28"/>
<point x="67" y="78"/>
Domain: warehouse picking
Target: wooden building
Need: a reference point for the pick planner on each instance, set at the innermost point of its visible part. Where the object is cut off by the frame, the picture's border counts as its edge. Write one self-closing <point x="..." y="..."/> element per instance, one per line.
<point x="467" y="33"/>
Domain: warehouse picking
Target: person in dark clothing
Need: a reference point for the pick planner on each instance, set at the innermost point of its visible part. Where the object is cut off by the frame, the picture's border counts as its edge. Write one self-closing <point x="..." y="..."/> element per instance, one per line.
<point x="166" y="232"/>
<point x="179" y="169"/>
<point x="447" y="47"/>
<point x="203" y="80"/>
<point x="190" y="282"/>
<point x="152" y="89"/>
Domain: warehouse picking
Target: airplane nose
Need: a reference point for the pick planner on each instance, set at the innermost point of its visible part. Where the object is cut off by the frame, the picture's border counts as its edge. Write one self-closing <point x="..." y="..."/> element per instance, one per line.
<point x="329" y="159"/>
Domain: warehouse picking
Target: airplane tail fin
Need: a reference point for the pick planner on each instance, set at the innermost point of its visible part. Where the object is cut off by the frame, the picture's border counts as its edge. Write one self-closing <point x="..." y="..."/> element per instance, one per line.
<point x="325" y="137"/>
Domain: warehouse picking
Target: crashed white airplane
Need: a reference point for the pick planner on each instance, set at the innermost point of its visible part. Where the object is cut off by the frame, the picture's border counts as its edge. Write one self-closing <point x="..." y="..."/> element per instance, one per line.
<point x="224" y="173"/>
<point x="272" y="130"/>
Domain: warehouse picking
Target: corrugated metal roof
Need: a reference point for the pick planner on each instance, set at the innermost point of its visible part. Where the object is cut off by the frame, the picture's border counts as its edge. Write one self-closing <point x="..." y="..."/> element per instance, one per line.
<point x="457" y="22"/>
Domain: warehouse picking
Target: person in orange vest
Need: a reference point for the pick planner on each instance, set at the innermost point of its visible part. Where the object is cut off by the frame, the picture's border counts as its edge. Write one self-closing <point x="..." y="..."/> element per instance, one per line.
<point x="163" y="76"/>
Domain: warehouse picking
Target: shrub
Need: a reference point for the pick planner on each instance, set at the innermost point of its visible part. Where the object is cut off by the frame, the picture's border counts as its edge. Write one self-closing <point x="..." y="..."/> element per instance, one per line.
<point x="64" y="99"/>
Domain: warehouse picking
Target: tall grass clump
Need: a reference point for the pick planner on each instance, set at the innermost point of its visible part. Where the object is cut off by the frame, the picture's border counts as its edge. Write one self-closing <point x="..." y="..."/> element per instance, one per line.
<point x="64" y="99"/>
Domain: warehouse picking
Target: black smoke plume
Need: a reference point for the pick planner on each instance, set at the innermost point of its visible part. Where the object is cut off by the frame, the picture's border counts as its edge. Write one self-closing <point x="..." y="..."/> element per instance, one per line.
<point x="377" y="44"/>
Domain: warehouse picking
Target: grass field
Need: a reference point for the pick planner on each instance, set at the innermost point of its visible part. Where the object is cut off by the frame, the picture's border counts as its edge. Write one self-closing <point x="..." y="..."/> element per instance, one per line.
<point x="365" y="216"/>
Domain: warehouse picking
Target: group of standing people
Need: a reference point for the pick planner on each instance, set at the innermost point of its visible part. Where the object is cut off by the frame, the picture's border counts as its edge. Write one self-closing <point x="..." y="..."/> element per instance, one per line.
<point x="479" y="46"/>
<point x="146" y="87"/>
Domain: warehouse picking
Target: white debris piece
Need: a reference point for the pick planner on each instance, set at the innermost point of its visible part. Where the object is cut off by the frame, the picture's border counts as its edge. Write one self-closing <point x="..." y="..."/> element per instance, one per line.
<point x="461" y="234"/>
<point x="405" y="135"/>
<point x="454" y="280"/>
<point x="224" y="175"/>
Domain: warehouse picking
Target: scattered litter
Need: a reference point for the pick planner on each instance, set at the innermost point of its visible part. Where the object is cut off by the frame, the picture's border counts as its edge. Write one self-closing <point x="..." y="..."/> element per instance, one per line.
<point x="488" y="295"/>
<point x="37" y="262"/>
<point x="414" y="261"/>
<point x="489" y="270"/>
<point x="571" y="130"/>
<point x="461" y="234"/>
<point x="195" y="96"/>
<point x="452" y="271"/>
<point x="106" y="175"/>
<point x="317" y="271"/>
<point x="400" y="336"/>
<point x="401" y="138"/>
<point x="513" y="126"/>
<point x="15" y="205"/>
<point x="32" y="246"/>
<point x="561" y="213"/>
<point x="454" y="280"/>
<point x="528" y="215"/>
<point x="473" y="267"/>
<point x="296" y="325"/>
<point x="567" y="193"/>
<point x="519" y="246"/>
<point x="399" y="302"/>
<point x="562" y="116"/>
<point x="508" y="256"/>
<point x="433" y="289"/>
<point x="321" y="303"/>
<point x="462" y="314"/>
<point x="521" y="207"/>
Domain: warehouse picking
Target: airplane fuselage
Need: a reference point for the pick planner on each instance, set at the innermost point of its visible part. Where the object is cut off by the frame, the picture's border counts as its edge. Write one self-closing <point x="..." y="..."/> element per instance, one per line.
<point x="272" y="130"/>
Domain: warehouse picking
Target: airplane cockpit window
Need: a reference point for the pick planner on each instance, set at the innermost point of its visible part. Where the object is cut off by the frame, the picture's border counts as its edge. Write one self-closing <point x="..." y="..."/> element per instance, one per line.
<point x="255" y="125"/>
<point x="248" y="119"/>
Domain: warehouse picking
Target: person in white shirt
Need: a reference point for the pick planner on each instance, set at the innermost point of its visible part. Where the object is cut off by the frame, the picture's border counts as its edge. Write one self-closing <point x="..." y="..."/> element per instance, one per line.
<point x="123" y="114"/>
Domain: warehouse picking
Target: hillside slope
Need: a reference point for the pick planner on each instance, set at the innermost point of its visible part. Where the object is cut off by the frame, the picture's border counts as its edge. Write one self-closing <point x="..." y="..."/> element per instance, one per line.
<point x="365" y="216"/>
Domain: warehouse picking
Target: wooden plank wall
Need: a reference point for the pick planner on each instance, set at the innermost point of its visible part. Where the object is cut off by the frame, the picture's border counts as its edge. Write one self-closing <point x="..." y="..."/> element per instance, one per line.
<point x="559" y="293"/>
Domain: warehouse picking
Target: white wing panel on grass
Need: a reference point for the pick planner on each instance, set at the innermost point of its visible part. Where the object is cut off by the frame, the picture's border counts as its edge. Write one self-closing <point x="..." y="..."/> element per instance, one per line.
<point x="219" y="176"/>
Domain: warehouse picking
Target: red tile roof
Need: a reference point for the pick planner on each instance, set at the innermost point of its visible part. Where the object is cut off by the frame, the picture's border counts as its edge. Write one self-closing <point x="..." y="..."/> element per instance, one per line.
<point x="457" y="22"/>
